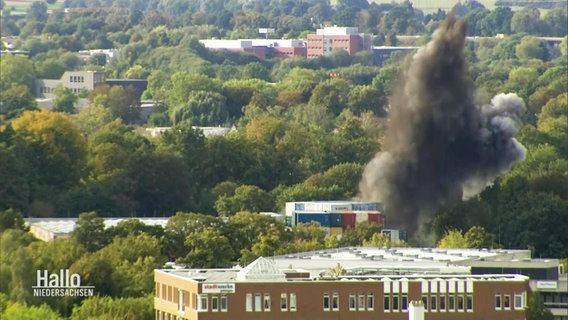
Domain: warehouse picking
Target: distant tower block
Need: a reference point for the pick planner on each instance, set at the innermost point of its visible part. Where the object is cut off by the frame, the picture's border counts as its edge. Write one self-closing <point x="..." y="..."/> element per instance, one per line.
<point x="415" y="310"/>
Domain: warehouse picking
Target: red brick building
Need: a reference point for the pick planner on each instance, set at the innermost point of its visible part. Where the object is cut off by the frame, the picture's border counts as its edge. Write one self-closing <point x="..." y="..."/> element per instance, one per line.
<point x="262" y="291"/>
<point x="287" y="52"/>
<point x="333" y="38"/>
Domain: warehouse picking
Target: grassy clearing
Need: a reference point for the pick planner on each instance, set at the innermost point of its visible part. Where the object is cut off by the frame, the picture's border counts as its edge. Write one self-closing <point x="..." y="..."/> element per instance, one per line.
<point x="433" y="5"/>
<point x="429" y="6"/>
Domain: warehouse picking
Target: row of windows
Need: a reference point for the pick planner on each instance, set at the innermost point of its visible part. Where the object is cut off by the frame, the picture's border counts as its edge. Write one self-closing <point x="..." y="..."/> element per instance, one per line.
<point x="503" y="301"/>
<point x="392" y="302"/>
<point x="395" y="302"/>
<point x="99" y="78"/>
<point x="202" y="302"/>
<point x="361" y="299"/>
<point x="261" y="302"/>
<point x="359" y="302"/>
<point x="215" y="304"/>
<point x="450" y="303"/>
<point x="76" y="79"/>
<point x="46" y="90"/>
<point x="52" y="90"/>
<point x="161" y="315"/>
<point x="282" y="53"/>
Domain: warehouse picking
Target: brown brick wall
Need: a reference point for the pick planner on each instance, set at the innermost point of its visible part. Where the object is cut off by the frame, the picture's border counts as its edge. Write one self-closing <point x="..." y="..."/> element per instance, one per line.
<point x="309" y="297"/>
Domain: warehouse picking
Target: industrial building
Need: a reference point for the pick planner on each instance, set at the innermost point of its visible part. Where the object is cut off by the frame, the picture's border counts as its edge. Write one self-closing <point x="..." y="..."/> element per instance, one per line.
<point x="347" y="283"/>
<point x="319" y="44"/>
<point x="262" y="48"/>
<point x="547" y="276"/>
<point x="334" y="216"/>
<point x="48" y="229"/>
<point x="382" y="53"/>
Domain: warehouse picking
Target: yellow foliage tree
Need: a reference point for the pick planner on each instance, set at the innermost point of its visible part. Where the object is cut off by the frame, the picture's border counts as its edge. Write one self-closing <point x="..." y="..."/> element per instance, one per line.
<point x="453" y="238"/>
<point x="56" y="148"/>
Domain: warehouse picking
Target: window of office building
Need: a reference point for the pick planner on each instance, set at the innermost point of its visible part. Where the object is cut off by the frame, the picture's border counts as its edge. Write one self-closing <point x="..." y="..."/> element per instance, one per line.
<point x="257" y="302"/>
<point x="395" y="302"/>
<point x="181" y="302"/>
<point x="433" y="304"/>
<point x="224" y="303"/>
<point x="425" y="301"/>
<point x="326" y="301"/>
<point x="266" y="302"/>
<point x="469" y="302"/>
<point x="498" y="304"/>
<point x="519" y="301"/>
<point x="452" y="303"/>
<point x="203" y="299"/>
<point x="292" y="302"/>
<point x="249" y="302"/>
<point x="507" y="301"/>
<point x="404" y="303"/>
<point x="461" y="305"/>
<point x="283" y="302"/>
<point x="361" y="302"/>
<point x="352" y="302"/>
<point x="370" y="302"/>
<point x="443" y="302"/>
<point x="335" y="302"/>
<point x="386" y="302"/>
<point x="214" y="303"/>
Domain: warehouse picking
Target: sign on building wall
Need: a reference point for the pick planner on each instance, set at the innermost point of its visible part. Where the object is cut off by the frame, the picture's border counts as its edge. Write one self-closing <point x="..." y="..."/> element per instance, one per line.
<point x="546" y="285"/>
<point x="218" y="288"/>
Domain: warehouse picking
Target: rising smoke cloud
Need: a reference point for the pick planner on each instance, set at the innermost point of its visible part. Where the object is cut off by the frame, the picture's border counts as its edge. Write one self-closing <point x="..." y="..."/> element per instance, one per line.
<point x="440" y="146"/>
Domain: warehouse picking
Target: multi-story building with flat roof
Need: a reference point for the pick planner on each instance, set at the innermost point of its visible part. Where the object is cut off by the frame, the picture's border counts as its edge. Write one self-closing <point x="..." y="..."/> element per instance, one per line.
<point x="48" y="229"/>
<point x="325" y="40"/>
<point x="76" y="81"/>
<point x="263" y="291"/>
<point x="366" y="283"/>
<point x="334" y="216"/>
<point x="546" y="276"/>
<point x="263" y="48"/>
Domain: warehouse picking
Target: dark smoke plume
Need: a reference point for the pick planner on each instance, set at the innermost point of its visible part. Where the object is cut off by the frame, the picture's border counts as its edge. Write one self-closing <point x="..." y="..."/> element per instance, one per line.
<point x="440" y="146"/>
